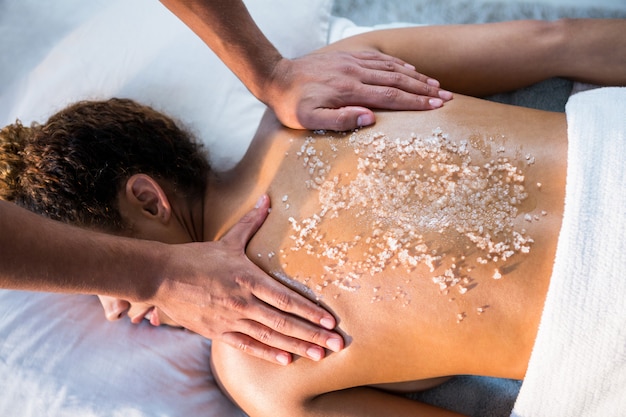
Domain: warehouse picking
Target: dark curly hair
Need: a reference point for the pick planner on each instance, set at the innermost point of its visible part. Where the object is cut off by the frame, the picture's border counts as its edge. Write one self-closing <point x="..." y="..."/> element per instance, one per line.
<point x="72" y="167"/>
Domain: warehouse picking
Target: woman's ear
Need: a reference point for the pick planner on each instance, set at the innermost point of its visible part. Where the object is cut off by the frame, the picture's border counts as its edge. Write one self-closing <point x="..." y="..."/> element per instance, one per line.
<point x="147" y="196"/>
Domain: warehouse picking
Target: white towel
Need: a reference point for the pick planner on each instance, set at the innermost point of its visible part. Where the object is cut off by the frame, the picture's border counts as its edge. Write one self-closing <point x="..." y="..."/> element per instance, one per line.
<point x="578" y="364"/>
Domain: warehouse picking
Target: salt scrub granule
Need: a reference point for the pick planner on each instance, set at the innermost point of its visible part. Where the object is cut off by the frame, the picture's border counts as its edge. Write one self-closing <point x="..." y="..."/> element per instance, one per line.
<point x="376" y="298"/>
<point x="403" y="189"/>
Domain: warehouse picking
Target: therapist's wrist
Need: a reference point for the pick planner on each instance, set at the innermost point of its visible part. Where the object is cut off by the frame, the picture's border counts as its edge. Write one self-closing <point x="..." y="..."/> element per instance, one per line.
<point x="269" y="77"/>
<point x="139" y="269"/>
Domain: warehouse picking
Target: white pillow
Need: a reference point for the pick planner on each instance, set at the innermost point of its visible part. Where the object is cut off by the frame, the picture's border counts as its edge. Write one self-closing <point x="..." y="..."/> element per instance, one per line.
<point x="138" y="49"/>
<point x="59" y="356"/>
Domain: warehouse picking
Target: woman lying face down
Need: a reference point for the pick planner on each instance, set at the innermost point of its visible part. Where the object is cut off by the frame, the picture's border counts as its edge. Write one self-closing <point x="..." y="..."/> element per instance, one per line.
<point x="431" y="236"/>
<point x="87" y="197"/>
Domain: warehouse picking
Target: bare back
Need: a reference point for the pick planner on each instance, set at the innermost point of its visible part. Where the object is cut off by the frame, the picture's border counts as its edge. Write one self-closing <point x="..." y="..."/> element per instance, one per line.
<point x="431" y="236"/>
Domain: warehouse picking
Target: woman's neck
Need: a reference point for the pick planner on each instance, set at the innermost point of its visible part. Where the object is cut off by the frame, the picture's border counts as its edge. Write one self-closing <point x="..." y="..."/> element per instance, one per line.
<point x="231" y="194"/>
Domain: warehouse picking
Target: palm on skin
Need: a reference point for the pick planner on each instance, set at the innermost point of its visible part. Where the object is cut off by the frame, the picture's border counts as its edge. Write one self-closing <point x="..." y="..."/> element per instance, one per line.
<point x="250" y="310"/>
<point x="328" y="90"/>
<point x="316" y="91"/>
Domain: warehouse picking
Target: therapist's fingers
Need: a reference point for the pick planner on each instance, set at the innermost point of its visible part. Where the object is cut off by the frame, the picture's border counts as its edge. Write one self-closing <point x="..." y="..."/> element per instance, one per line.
<point x="287" y="312"/>
<point x="269" y="320"/>
<point x="378" y="96"/>
<point x="392" y="83"/>
<point x="264" y="287"/>
<point x="382" y="62"/>
<point x="269" y="312"/>
<point x="337" y="90"/>
<point x="257" y="349"/>
<point x="275" y="346"/>
<point x="261" y="285"/>
<point x="354" y="117"/>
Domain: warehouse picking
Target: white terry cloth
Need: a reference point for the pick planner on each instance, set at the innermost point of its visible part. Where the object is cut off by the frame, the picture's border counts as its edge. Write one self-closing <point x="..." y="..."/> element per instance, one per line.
<point x="341" y="28"/>
<point x="578" y="364"/>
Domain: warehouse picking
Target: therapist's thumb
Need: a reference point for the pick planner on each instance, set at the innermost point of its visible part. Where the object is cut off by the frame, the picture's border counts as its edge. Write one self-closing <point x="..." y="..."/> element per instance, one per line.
<point x="343" y="118"/>
<point x="247" y="226"/>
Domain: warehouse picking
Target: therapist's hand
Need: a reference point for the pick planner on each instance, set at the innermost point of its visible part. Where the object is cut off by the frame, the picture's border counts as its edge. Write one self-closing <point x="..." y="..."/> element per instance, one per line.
<point x="237" y="303"/>
<point x="327" y="90"/>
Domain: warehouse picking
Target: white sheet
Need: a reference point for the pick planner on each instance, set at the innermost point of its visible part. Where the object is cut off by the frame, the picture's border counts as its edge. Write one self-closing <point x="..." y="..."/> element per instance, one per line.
<point x="578" y="364"/>
<point x="60" y="358"/>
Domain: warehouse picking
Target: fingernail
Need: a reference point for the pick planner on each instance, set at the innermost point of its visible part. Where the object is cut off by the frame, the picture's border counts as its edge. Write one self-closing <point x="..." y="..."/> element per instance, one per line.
<point x="435" y="102"/>
<point x="365" y="120"/>
<point x="314" y="354"/>
<point x="446" y="95"/>
<point x="334" y="344"/>
<point x="432" y="82"/>
<point x="260" y="201"/>
<point x="327" y="323"/>
<point x="282" y="358"/>
<point x="409" y="66"/>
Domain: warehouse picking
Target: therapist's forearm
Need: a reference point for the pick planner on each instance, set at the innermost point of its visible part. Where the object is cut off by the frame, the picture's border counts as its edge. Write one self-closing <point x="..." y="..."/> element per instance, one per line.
<point x="228" y="29"/>
<point x="315" y="91"/>
<point x="39" y="254"/>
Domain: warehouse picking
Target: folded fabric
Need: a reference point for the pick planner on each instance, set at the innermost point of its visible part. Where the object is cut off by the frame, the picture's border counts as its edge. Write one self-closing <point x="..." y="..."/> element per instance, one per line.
<point x="578" y="364"/>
